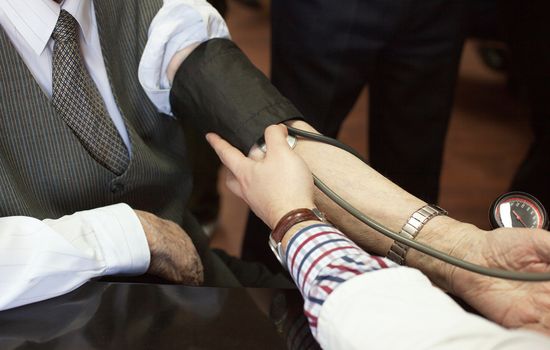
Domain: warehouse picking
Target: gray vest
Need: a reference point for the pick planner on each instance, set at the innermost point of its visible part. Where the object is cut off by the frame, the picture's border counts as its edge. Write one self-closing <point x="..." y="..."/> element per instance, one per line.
<point x="44" y="170"/>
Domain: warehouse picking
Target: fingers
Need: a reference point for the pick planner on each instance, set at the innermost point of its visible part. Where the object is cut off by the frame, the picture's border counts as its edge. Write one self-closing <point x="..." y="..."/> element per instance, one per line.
<point x="173" y="255"/>
<point x="231" y="157"/>
<point x="275" y="138"/>
<point x="256" y="153"/>
<point x="233" y="184"/>
<point x="537" y="327"/>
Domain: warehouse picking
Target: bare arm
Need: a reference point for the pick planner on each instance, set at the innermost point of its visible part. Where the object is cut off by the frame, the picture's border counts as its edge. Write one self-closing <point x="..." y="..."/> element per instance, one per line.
<point x="512" y="304"/>
<point x="243" y="104"/>
<point x="41" y="259"/>
<point x="364" y="290"/>
<point x="385" y="202"/>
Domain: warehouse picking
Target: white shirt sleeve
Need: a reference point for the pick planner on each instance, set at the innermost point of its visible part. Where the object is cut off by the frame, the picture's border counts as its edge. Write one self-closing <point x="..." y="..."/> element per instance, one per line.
<point x="44" y="259"/>
<point x="399" y="309"/>
<point x="179" y="25"/>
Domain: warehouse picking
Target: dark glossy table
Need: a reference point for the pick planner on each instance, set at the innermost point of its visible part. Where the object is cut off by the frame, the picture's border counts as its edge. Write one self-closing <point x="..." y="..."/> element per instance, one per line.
<point x="103" y="315"/>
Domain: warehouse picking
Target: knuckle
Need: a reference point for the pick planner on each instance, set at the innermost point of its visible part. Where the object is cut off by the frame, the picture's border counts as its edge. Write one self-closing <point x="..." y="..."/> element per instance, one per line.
<point x="271" y="128"/>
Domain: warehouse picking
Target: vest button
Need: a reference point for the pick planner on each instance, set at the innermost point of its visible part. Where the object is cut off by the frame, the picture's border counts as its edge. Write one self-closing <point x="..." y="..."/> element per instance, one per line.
<point x="117" y="187"/>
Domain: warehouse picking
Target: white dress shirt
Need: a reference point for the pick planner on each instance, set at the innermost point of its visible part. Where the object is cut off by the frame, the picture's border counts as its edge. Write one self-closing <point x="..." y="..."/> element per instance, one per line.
<point x="42" y="259"/>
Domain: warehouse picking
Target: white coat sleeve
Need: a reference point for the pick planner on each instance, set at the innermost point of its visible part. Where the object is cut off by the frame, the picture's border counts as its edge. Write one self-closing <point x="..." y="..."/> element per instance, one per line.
<point x="399" y="309"/>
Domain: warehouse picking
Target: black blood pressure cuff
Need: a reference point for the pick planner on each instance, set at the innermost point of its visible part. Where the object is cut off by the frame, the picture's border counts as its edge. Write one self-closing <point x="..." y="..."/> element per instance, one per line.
<point x="221" y="91"/>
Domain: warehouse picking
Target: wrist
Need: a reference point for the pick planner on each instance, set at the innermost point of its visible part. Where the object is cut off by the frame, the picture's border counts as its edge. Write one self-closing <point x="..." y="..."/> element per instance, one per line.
<point x="410" y="230"/>
<point x="148" y="230"/>
<point x="451" y="237"/>
<point x="286" y="227"/>
<point x="278" y="213"/>
<point x="120" y="237"/>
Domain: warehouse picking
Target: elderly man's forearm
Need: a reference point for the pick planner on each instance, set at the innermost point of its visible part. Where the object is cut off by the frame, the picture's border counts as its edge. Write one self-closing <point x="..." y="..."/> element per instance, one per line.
<point x="382" y="200"/>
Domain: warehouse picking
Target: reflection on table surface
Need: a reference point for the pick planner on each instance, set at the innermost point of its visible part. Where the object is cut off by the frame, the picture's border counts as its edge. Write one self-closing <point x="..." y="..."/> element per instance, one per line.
<point x="102" y="315"/>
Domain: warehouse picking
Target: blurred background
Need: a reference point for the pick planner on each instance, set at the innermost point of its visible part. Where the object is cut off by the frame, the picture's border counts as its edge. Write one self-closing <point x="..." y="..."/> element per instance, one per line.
<point x="489" y="132"/>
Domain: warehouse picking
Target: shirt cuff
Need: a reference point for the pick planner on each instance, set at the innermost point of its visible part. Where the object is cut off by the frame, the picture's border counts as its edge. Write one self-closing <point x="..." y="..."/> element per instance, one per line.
<point x="320" y="259"/>
<point x="121" y="238"/>
<point x="178" y="25"/>
<point x="314" y="250"/>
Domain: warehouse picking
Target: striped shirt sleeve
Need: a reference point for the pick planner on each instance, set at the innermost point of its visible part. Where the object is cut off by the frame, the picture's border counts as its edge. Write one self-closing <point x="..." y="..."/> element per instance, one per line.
<point x="320" y="258"/>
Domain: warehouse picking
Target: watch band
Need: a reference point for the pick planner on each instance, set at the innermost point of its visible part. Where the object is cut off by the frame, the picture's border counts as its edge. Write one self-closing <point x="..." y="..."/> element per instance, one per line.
<point x="290" y="219"/>
<point x="414" y="224"/>
<point x="285" y="223"/>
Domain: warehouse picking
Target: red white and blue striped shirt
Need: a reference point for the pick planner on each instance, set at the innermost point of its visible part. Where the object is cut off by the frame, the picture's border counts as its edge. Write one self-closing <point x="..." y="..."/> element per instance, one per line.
<point x="320" y="258"/>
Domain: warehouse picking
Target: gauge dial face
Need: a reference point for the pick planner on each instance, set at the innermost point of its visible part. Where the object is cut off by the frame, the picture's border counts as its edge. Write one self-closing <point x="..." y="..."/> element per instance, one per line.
<point x="518" y="209"/>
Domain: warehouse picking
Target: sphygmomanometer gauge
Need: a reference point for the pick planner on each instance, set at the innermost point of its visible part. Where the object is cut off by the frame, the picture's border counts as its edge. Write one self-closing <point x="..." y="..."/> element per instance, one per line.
<point x="518" y="209"/>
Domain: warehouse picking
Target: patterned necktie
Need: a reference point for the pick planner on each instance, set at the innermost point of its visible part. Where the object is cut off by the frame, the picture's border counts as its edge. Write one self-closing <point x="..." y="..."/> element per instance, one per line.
<point x="77" y="100"/>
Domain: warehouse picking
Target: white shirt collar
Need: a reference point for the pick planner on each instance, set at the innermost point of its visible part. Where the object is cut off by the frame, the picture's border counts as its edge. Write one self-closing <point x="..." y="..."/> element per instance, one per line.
<point x="35" y="20"/>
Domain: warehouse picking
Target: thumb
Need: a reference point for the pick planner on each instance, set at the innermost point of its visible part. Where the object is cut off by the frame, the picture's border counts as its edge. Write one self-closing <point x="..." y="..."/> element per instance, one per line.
<point x="275" y="139"/>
